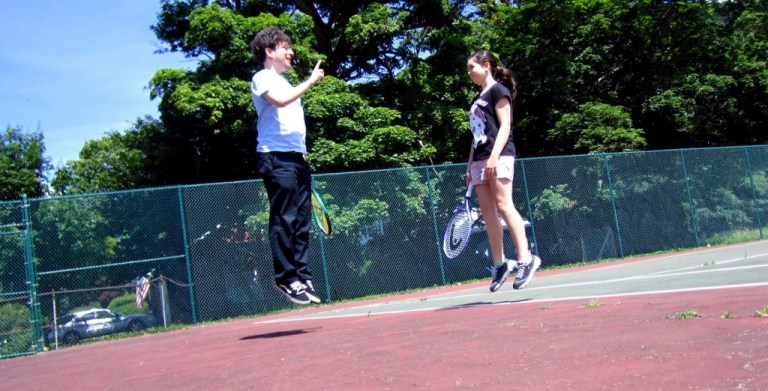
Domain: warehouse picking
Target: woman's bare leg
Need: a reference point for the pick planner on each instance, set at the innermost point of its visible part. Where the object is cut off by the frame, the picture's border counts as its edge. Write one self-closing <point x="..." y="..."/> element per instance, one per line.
<point x="493" y="228"/>
<point x="502" y="190"/>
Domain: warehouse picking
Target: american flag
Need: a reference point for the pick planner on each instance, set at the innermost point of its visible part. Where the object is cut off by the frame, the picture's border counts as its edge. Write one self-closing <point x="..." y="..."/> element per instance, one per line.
<point x="142" y="290"/>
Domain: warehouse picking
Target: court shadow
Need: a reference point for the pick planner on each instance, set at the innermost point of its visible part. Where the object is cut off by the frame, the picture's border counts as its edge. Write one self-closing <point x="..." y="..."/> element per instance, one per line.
<point x="480" y="304"/>
<point x="280" y="334"/>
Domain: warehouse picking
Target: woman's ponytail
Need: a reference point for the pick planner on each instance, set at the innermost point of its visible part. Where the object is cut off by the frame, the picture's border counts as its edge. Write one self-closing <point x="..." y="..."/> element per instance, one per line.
<point x="500" y="73"/>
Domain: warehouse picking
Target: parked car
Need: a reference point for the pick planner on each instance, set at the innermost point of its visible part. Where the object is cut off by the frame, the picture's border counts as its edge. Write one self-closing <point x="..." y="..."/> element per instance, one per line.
<point x="95" y="322"/>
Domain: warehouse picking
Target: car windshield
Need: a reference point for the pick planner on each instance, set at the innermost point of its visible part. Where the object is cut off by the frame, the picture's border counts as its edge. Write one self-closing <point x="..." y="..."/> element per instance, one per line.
<point x="104" y="315"/>
<point x="65" y="319"/>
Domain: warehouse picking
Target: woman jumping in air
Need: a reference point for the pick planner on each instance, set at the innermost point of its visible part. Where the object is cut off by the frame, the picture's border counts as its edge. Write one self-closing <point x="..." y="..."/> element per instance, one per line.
<point x="491" y="166"/>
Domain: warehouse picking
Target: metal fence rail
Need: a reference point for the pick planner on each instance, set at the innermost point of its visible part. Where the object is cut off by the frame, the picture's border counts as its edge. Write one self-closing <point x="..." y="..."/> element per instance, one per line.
<point x="208" y="243"/>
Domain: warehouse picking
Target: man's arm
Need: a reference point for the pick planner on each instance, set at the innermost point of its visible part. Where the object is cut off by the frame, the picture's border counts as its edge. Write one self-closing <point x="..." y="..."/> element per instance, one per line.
<point x="284" y="98"/>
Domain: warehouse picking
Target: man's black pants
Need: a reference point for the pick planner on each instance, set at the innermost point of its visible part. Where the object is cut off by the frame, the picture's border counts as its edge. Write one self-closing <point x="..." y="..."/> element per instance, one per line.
<point x="288" y="180"/>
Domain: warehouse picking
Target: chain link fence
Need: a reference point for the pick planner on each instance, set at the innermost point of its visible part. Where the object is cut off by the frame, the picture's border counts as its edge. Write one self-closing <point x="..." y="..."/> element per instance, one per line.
<point x="205" y="252"/>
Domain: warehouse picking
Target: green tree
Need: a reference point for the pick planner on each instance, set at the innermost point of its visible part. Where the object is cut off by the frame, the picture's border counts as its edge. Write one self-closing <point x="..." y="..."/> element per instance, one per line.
<point x="22" y="164"/>
<point x="748" y="55"/>
<point x="534" y="38"/>
<point x="687" y="74"/>
<point x="107" y="163"/>
<point x="135" y="158"/>
<point x="14" y="326"/>
<point x="630" y="54"/>
<point x="349" y="134"/>
<point x="699" y="112"/>
<point x="596" y="128"/>
<point x="209" y="112"/>
<point x="357" y="39"/>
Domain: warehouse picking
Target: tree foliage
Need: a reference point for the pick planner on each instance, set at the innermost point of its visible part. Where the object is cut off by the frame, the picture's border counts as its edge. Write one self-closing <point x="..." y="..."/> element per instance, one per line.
<point x="14" y="317"/>
<point x="23" y="166"/>
<point x="662" y="74"/>
<point x="596" y="128"/>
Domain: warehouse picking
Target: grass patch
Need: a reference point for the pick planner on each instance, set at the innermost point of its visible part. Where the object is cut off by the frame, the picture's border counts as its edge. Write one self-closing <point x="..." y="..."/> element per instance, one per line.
<point x="763" y="313"/>
<point x="732" y="237"/>
<point x="686" y="314"/>
<point x="727" y="315"/>
<point x="592" y="304"/>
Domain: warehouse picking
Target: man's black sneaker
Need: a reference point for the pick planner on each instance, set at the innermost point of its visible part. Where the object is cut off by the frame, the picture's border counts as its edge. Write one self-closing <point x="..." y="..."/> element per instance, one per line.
<point x="309" y="290"/>
<point x="499" y="275"/>
<point x="525" y="272"/>
<point x="294" y="292"/>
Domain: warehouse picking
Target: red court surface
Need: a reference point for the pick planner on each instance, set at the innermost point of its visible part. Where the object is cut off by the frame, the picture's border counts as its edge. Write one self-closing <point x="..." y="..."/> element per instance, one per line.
<point x="632" y="342"/>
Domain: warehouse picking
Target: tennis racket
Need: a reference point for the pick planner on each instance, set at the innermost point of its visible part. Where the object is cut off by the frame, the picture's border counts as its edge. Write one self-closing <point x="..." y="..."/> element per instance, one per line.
<point x="320" y="213"/>
<point x="459" y="227"/>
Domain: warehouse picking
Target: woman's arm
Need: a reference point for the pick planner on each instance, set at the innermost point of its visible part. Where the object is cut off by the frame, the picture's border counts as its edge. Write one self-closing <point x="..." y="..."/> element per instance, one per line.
<point x="504" y="114"/>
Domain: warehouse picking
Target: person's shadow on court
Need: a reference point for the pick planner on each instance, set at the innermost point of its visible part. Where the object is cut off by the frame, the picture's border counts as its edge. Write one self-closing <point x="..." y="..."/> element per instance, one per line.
<point x="279" y="334"/>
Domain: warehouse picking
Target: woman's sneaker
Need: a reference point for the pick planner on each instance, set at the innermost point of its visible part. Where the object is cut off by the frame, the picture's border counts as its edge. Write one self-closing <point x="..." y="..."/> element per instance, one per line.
<point x="499" y="275"/>
<point x="525" y="272"/>
<point x="294" y="292"/>
<point x="309" y="290"/>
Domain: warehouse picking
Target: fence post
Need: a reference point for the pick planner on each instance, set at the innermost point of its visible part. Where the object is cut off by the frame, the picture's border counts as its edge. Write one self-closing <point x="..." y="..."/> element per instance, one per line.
<point x="531" y="220"/>
<point x="613" y="205"/>
<point x="694" y="224"/>
<point x="754" y="193"/>
<point x="433" y="207"/>
<point x="29" y="262"/>
<point x="192" y="305"/>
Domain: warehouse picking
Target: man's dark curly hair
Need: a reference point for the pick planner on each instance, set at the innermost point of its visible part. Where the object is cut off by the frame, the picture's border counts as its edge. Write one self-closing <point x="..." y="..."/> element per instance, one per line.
<point x="267" y="38"/>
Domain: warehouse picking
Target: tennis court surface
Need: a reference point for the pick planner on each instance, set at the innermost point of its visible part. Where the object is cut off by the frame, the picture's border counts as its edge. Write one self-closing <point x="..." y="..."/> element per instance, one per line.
<point x="687" y="320"/>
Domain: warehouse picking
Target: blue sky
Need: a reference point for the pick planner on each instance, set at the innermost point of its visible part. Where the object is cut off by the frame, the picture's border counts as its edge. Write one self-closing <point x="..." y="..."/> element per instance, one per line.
<point x="77" y="69"/>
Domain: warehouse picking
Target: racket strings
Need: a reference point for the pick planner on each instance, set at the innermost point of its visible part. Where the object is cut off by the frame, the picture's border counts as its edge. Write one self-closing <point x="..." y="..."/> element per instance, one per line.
<point x="320" y="214"/>
<point x="462" y="224"/>
<point x="457" y="234"/>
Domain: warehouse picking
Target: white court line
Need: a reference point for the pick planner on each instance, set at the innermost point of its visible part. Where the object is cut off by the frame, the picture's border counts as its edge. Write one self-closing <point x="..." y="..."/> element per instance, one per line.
<point x="605" y="282"/>
<point x="652" y="276"/>
<point x="687" y="253"/>
<point x="448" y="296"/>
<point x="713" y="264"/>
<point x="674" y="272"/>
<point x="547" y="300"/>
<point x="433" y="308"/>
<point x="571" y="298"/>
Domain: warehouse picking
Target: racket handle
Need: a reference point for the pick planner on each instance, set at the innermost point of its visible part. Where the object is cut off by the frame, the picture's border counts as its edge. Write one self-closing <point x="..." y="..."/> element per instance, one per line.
<point x="469" y="190"/>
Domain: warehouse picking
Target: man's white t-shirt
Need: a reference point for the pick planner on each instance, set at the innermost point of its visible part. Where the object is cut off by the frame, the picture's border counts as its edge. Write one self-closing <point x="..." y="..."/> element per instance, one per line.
<point x="280" y="129"/>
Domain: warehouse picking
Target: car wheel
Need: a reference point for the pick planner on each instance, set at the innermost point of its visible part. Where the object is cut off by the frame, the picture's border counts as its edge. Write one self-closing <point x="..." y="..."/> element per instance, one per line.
<point x="136" y="326"/>
<point x="71" y="338"/>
